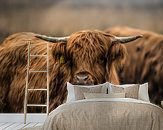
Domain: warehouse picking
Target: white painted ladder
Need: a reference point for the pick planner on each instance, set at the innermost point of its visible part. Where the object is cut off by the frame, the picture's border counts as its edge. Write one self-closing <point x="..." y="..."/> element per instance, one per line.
<point x="27" y="81"/>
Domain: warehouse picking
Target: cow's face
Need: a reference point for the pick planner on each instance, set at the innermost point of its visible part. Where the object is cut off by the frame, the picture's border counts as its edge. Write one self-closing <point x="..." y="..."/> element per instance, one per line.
<point x="90" y="56"/>
<point x="88" y="52"/>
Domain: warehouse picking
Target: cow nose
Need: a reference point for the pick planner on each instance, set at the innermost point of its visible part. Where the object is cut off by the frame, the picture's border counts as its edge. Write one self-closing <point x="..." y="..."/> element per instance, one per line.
<point x="82" y="77"/>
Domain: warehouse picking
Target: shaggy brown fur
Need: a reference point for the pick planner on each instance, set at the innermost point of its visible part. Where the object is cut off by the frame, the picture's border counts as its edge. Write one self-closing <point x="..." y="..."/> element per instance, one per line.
<point x="144" y="61"/>
<point x="86" y="51"/>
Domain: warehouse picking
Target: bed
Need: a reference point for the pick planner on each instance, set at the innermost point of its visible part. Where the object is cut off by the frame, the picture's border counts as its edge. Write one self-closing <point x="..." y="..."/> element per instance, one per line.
<point x="106" y="107"/>
<point x="106" y="114"/>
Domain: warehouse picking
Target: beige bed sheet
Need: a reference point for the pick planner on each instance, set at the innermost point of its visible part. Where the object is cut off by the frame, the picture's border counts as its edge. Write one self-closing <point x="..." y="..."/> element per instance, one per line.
<point x="106" y="114"/>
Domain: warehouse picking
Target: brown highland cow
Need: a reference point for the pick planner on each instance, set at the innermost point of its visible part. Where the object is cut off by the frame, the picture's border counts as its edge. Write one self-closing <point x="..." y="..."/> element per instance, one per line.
<point x="144" y="61"/>
<point x="86" y="57"/>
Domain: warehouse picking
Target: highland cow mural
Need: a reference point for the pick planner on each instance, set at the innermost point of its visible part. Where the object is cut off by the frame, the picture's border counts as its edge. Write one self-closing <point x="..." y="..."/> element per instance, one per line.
<point x="144" y="61"/>
<point x="85" y="57"/>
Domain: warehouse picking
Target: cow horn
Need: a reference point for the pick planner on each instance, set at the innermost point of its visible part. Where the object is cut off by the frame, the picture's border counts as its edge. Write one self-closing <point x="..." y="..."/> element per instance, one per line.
<point x="127" y="39"/>
<point x="52" y="39"/>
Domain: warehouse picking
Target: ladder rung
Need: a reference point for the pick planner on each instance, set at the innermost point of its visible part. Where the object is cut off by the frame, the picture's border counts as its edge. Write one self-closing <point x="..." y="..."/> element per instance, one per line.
<point x="39" y="55"/>
<point x="29" y="70"/>
<point x="37" y="89"/>
<point x="36" y="105"/>
<point x="39" y="71"/>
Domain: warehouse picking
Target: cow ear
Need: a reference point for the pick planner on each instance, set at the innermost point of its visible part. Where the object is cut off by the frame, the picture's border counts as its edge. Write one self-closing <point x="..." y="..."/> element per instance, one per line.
<point x="118" y="54"/>
<point x="59" y="52"/>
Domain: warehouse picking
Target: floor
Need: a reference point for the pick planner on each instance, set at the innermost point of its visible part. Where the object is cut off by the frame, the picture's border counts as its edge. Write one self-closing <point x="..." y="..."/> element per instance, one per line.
<point x="17" y="126"/>
<point x="15" y="121"/>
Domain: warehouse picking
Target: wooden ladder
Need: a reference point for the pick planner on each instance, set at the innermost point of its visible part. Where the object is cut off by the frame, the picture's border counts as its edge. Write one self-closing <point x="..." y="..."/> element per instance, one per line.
<point x="27" y="81"/>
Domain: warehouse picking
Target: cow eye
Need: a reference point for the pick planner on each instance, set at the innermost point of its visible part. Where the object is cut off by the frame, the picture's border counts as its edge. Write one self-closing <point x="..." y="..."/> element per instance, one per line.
<point x="102" y="60"/>
<point x="77" y="46"/>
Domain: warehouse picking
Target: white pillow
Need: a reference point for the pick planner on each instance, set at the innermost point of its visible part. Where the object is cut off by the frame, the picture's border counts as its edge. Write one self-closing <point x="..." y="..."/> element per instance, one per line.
<point x="103" y="95"/>
<point x="71" y="96"/>
<point x="130" y="90"/>
<point x="143" y="92"/>
<point x="162" y="103"/>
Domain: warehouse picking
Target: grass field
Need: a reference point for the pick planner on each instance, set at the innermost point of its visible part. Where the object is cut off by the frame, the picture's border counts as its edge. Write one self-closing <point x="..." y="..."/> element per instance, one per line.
<point x="63" y="20"/>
